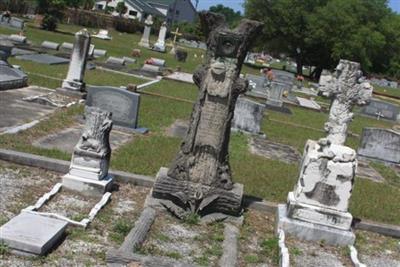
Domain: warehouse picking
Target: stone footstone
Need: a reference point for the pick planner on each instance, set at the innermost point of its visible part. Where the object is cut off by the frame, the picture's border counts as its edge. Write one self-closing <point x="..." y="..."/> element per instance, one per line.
<point x="367" y="172"/>
<point x="271" y="150"/>
<point x="32" y="234"/>
<point x="311" y="231"/>
<point x="178" y="129"/>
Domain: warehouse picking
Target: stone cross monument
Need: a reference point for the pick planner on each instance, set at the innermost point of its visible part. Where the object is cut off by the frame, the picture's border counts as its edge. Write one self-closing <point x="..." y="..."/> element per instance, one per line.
<point x="146" y="33"/>
<point x="74" y="81"/>
<point x="176" y="33"/>
<point x="346" y="89"/>
<point x="317" y="209"/>
<point x="88" y="172"/>
<point x="199" y="180"/>
<point x="160" y="44"/>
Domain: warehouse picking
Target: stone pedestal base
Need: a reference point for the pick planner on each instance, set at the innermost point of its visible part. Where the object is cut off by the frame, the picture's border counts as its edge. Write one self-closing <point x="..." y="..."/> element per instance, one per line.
<point x="311" y="231"/>
<point x="144" y="43"/>
<point x="73" y="85"/>
<point x="159" y="48"/>
<point x="89" y="187"/>
<point x="71" y="93"/>
<point x="211" y="199"/>
<point x="318" y="215"/>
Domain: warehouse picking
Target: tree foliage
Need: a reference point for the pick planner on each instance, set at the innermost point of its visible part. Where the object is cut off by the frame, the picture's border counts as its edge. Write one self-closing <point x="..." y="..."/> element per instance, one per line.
<point x="320" y="32"/>
<point x="232" y="17"/>
<point x="52" y="11"/>
<point x="121" y="8"/>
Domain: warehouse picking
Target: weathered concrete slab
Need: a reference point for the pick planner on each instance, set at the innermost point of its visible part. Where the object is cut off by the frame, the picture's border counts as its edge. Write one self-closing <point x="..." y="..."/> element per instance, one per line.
<point x="32" y="233"/>
<point x="307" y="103"/>
<point x="18" y="111"/>
<point x="44" y="59"/>
<point x="11" y="78"/>
<point x="271" y="150"/>
<point x="66" y="139"/>
<point x="181" y="77"/>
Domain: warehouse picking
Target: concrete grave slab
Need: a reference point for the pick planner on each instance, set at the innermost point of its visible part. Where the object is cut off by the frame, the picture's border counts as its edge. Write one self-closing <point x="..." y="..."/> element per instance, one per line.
<point x="66" y="139"/>
<point x="11" y="78"/>
<point x="115" y="60"/>
<point x="307" y="103"/>
<point x="365" y="171"/>
<point x="271" y="150"/>
<point x="50" y="45"/>
<point x="181" y="77"/>
<point x="18" y="52"/>
<point x="32" y="234"/>
<point x="178" y="129"/>
<point x="44" y="59"/>
<point x="382" y="110"/>
<point x="18" y="111"/>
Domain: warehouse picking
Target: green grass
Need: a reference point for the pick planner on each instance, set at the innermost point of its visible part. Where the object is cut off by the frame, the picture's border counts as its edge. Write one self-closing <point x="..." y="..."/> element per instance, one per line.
<point x="174" y="89"/>
<point x="387" y="90"/>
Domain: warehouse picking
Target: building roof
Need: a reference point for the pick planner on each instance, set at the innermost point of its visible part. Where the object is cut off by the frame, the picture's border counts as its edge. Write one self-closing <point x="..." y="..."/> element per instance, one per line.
<point x="143" y="6"/>
<point x="161" y="2"/>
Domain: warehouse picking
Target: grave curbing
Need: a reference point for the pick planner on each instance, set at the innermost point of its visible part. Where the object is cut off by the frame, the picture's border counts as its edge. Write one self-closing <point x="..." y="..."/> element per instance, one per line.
<point x="250" y="202"/>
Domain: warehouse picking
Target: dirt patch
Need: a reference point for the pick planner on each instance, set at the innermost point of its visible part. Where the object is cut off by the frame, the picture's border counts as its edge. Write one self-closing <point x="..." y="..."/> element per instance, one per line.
<point x="186" y="241"/>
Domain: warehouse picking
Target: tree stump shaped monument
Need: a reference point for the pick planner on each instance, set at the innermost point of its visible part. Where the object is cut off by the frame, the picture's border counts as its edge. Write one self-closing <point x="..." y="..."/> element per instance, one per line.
<point x="199" y="180"/>
<point x="317" y="209"/>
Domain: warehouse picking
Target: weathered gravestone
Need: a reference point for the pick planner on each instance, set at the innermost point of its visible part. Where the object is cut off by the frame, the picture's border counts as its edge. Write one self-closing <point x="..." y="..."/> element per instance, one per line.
<point x="380" y="144"/>
<point x="73" y="83"/>
<point x="88" y="173"/>
<point x="284" y="77"/>
<point x="317" y="208"/>
<point x="380" y="109"/>
<point x="123" y="105"/>
<point x="12" y="22"/>
<point x="146" y="33"/>
<point x="257" y="85"/>
<point x="275" y="94"/>
<point x="50" y="45"/>
<point x="199" y="180"/>
<point x="248" y="116"/>
<point x="160" y="44"/>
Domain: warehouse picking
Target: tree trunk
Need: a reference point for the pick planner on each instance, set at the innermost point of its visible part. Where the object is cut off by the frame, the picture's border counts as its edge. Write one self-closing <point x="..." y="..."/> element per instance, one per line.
<point x="299" y="62"/>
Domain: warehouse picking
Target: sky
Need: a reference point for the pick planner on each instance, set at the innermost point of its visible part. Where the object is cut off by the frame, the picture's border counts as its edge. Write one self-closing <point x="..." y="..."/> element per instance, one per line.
<point x="237" y="4"/>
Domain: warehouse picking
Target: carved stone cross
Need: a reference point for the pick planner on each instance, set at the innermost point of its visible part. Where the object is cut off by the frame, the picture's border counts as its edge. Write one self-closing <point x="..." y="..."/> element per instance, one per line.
<point x="346" y="89"/>
<point x="200" y="176"/>
<point x="379" y="115"/>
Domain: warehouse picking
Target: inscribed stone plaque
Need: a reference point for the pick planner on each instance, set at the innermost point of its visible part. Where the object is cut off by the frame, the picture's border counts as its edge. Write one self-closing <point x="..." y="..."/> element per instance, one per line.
<point x="123" y="104"/>
<point x="213" y="116"/>
<point x="248" y="115"/>
<point x="382" y="144"/>
<point x="382" y="109"/>
<point x="32" y="233"/>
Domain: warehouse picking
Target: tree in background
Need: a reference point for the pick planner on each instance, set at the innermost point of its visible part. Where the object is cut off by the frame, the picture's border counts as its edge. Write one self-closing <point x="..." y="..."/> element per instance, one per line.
<point x="320" y="32"/>
<point x="232" y="17"/>
<point x="121" y="8"/>
<point x="52" y="11"/>
<point x="88" y="4"/>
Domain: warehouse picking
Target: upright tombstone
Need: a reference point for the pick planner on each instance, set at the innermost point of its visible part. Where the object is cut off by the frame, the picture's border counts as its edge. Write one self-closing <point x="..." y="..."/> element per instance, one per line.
<point x="145" y="42"/>
<point x="317" y="208"/>
<point x="160" y="44"/>
<point x="199" y="180"/>
<point x="380" y="144"/>
<point x="123" y="105"/>
<point x="90" y="161"/>
<point x="382" y="110"/>
<point x="248" y="116"/>
<point x="275" y="94"/>
<point x="73" y="83"/>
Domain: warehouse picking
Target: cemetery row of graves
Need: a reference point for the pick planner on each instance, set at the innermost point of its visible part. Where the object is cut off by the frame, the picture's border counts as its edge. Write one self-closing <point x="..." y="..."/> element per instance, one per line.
<point x="119" y="111"/>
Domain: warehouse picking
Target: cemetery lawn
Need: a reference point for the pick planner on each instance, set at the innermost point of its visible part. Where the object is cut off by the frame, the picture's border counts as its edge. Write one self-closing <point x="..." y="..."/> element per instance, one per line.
<point x="266" y="178"/>
<point x="262" y="177"/>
